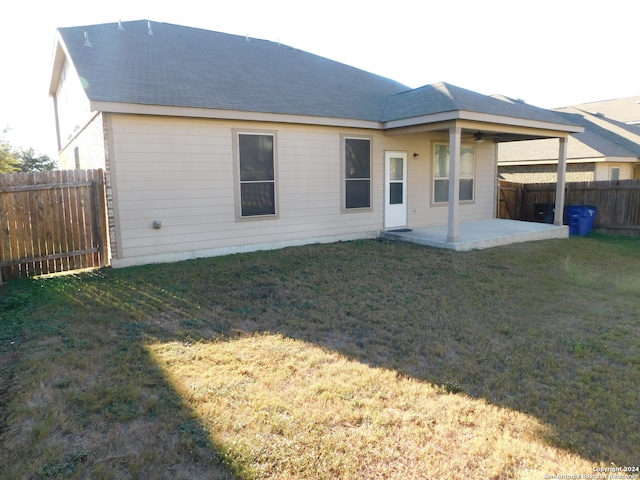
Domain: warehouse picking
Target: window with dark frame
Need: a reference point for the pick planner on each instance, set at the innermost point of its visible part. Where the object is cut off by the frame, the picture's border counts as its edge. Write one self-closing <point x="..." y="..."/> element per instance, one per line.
<point x="257" y="174"/>
<point x="357" y="173"/>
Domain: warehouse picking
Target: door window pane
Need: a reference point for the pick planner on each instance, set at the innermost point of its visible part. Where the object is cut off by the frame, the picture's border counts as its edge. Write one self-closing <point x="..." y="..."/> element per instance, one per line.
<point x="396" y="169"/>
<point x="395" y="193"/>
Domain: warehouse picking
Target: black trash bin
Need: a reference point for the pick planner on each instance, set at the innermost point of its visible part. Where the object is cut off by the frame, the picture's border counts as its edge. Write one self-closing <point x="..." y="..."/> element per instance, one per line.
<point x="544" y="212"/>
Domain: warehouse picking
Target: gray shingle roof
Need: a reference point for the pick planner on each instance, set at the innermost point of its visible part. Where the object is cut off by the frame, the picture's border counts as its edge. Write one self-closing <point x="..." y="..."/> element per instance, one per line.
<point x="443" y="97"/>
<point x="190" y="67"/>
<point x="625" y="110"/>
<point x="605" y="135"/>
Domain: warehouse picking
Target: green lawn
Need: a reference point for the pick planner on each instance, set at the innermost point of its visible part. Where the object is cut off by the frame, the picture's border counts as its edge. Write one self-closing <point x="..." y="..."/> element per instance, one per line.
<point x="364" y="359"/>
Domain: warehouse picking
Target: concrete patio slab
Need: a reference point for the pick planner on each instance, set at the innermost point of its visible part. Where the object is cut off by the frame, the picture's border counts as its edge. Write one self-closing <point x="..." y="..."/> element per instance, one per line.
<point x="479" y="234"/>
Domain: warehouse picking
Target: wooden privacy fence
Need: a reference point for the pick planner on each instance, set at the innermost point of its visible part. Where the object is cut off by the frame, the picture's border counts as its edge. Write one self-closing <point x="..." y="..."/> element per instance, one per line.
<point x="618" y="202"/>
<point x="52" y="222"/>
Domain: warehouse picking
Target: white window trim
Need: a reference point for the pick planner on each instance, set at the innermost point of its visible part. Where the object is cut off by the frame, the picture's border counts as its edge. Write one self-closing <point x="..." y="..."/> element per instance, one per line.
<point x="236" y="173"/>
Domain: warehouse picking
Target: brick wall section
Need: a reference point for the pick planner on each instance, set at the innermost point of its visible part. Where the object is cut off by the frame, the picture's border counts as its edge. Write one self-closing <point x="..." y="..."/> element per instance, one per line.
<point x="90" y="143"/>
<point x="93" y="152"/>
<point x="547" y="173"/>
<point x="111" y="221"/>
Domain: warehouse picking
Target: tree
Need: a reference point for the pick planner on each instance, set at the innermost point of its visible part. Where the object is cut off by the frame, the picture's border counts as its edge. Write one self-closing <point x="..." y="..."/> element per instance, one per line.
<point x="29" y="161"/>
<point x="8" y="156"/>
<point x="12" y="160"/>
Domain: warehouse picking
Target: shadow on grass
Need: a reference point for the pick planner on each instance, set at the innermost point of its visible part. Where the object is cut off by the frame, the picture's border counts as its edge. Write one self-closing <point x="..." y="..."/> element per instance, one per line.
<point x="547" y="329"/>
<point x="81" y="396"/>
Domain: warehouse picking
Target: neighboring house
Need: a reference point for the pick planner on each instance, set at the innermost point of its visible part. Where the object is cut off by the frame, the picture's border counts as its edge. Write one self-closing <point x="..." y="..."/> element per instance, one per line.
<point x="216" y="143"/>
<point x="625" y="110"/>
<point x="608" y="149"/>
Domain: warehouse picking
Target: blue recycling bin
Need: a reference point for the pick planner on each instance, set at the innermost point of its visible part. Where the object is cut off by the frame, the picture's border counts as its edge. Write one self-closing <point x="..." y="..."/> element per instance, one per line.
<point x="580" y="218"/>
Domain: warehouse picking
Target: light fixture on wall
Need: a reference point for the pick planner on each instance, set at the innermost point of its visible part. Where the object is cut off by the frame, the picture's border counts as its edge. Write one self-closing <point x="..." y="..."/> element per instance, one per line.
<point x="479" y="137"/>
<point x="416" y="155"/>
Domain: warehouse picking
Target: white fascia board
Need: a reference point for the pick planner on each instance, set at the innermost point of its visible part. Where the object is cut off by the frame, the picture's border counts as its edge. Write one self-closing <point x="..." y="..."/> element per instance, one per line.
<point x="622" y="159"/>
<point x="193" y="112"/>
<point x="57" y="63"/>
<point x="484" y="118"/>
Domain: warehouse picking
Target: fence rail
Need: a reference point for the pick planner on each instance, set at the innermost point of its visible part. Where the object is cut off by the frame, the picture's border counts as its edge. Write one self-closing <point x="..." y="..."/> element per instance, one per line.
<point x="618" y="202"/>
<point x="52" y="222"/>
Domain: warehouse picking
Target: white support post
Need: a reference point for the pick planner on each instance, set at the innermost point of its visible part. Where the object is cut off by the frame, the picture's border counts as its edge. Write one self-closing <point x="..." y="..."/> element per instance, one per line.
<point x="455" y="138"/>
<point x="560" y="185"/>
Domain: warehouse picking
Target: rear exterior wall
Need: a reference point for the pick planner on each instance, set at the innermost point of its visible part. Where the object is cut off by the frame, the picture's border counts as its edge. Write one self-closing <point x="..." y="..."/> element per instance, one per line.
<point x="180" y="172"/>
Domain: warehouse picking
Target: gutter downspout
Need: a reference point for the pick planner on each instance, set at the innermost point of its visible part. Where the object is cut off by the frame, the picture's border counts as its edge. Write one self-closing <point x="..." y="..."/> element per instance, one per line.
<point x="57" y="118"/>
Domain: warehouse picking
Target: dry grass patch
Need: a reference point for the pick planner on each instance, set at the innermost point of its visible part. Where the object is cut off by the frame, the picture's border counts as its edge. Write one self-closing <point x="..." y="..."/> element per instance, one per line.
<point x="351" y="360"/>
<point x="282" y="408"/>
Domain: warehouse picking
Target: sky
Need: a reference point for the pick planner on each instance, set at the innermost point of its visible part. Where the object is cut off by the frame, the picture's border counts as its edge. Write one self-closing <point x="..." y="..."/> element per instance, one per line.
<point x="550" y="53"/>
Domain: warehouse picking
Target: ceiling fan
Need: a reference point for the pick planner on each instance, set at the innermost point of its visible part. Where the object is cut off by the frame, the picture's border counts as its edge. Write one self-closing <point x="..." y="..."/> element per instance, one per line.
<point x="479" y="137"/>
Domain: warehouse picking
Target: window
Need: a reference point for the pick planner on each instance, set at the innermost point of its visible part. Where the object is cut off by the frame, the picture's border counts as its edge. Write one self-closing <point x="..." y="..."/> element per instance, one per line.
<point x="256" y="164"/>
<point x="357" y="173"/>
<point x="441" y="173"/>
<point x="614" y="173"/>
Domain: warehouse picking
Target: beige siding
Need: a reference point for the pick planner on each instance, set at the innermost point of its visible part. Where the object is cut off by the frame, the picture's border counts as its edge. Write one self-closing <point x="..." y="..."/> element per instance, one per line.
<point x="603" y="171"/>
<point x="181" y="172"/>
<point x="421" y="210"/>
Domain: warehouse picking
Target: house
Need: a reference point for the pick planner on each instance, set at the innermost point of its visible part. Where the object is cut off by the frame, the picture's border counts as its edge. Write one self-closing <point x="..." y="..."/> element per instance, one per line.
<point x="608" y="149"/>
<point x="625" y="110"/>
<point x="215" y="143"/>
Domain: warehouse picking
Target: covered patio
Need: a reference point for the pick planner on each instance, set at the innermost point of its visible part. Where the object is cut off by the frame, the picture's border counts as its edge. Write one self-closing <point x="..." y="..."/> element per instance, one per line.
<point x="479" y="234"/>
<point x="468" y="118"/>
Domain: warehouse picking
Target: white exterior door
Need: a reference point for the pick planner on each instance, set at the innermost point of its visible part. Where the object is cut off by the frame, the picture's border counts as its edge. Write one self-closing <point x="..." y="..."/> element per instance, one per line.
<point x="395" y="189"/>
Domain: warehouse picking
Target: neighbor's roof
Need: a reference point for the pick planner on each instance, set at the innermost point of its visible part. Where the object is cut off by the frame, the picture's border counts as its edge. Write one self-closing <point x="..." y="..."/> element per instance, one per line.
<point x="189" y="67"/>
<point x="626" y="110"/>
<point x="605" y="135"/>
<point x="602" y="139"/>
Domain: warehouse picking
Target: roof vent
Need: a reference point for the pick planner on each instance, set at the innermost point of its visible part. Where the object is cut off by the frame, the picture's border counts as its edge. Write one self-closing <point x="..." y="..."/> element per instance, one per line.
<point x="248" y="39"/>
<point x="120" y="27"/>
<point x="149" y="31"/>
<point x="598" y="114"/>
<point x="86" y="43"/>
